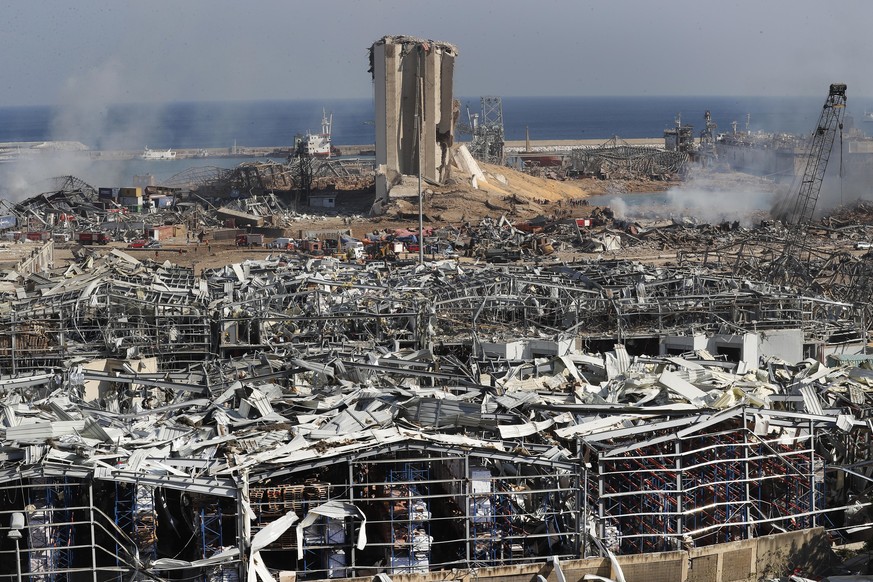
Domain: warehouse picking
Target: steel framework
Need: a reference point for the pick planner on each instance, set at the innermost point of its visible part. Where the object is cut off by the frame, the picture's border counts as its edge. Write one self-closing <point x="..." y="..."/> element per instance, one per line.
<point x="488" y="135"/>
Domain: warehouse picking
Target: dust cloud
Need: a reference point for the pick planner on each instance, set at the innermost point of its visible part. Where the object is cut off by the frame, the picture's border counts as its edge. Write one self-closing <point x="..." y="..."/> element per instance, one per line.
<point x="83" y="120"/>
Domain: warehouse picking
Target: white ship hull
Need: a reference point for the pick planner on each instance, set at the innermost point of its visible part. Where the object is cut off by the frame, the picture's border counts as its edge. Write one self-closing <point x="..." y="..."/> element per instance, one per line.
<point x="158" y="154"/>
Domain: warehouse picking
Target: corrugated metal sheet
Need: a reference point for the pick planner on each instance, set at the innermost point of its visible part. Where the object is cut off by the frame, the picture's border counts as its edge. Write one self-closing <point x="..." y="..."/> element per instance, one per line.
<point x="811" y="400"/>
<point x="433" y="413"/>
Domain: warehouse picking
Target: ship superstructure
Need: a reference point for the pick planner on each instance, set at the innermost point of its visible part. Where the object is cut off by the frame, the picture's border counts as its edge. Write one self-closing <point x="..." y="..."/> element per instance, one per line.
<point x="318" y="145"/>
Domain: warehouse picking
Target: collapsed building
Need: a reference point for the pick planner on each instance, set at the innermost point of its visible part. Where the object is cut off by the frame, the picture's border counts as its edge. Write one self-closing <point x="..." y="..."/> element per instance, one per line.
<point x="340" y="419"/>
<point x="617" y="159"/>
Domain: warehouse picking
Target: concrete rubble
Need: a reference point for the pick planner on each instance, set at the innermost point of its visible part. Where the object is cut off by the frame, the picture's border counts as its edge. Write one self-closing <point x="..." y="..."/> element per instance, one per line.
<point x="332" y="418"/>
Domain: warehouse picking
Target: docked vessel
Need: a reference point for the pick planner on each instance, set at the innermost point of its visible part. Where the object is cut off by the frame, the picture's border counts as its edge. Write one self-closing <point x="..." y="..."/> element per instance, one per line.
<point x="530" y="158"/>
<point x="148" y="154"/>
<point x="318" y="145"/>
<point x="868" y="116"/>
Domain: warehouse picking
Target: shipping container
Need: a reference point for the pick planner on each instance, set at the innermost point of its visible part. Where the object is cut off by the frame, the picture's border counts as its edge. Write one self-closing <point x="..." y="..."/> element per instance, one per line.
<point x="107" y="193"/>
<point x="130" y="192"/>
<point x="130" y="201"/>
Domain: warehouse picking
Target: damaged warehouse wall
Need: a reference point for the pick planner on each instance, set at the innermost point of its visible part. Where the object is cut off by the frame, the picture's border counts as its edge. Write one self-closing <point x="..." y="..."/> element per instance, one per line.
<point x="280" y="463"/>
<point x="412" y="80"/>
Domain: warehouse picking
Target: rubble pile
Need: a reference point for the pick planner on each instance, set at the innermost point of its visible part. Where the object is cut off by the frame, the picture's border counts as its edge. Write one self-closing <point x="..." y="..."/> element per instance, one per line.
<point x="312" y="450"/>
<point x="345" y="418"/>
<point x="538" y="396"/>
<point x="113" y="305"/>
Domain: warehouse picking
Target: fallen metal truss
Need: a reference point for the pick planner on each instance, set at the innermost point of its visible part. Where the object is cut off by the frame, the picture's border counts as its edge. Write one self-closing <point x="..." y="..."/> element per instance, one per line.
<point x="617" y="159"/>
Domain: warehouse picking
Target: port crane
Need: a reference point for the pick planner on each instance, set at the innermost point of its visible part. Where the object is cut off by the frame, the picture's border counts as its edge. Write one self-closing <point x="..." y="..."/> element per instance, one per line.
<point x="830" y="121"/>
<point x="799" y="216"/>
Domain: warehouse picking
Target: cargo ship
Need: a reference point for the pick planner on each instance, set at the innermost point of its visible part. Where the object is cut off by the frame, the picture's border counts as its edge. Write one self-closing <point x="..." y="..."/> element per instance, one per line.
<point x="148" y="154"/>
<point x="318" y="145"/>
<point x="766" y="154"/>
<point x="531" y="158"/>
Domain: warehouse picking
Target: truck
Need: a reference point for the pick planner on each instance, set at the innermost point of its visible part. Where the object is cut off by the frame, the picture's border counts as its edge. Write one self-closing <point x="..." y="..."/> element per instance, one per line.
<point x="92" y="238"/>
<point x="283" y="242"/>
<point x="249" y="240"/>
<point x="354" y="250"/>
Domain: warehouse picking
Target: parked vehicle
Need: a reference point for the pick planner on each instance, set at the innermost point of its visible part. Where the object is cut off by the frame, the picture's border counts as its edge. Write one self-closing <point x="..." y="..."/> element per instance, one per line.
<point x="144" y="243"/>
<point x="249" y="240"/>
<point x="283" y="242"/>
<point x="92" y="238"/>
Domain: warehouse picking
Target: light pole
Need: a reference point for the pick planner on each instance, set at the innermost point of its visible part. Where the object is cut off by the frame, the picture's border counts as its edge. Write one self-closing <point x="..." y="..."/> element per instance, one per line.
<point x="16" y="524"/>
<point x="419" y="115"/>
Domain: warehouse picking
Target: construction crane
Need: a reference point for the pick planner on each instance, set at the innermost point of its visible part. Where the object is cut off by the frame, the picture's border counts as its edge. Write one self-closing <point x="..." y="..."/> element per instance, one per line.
<point x="829" y="122"/>
<point x="797" y="216"/>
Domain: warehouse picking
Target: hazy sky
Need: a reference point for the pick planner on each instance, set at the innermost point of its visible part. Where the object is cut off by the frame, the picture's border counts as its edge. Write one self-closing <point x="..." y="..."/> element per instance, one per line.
<point x="155" y="50"/>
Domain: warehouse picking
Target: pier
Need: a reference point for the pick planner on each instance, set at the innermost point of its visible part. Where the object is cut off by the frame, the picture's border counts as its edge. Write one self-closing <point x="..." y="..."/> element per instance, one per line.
<point x="14" y="150"/>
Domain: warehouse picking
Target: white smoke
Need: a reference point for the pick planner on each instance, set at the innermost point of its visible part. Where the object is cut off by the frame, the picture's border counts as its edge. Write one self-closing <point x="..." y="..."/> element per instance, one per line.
<point x="83" y="115"/>
<point x="705" y="205"/>
<point x="715" y="206"/>
<point x="619" y="208"/>
<point x="85" y="110"/>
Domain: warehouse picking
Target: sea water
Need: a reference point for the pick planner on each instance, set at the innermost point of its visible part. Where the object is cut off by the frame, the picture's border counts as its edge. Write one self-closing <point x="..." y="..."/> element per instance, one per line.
<point x="276" y="123"/>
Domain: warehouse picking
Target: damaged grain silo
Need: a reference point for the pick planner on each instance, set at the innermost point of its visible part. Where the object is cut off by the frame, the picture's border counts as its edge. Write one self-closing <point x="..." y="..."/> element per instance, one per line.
<point x="415" y="112"/>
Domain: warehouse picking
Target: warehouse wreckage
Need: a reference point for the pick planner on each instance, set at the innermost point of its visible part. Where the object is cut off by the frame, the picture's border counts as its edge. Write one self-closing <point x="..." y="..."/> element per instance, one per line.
<point x="337" y="419"/>
<point x="340" y="419"/>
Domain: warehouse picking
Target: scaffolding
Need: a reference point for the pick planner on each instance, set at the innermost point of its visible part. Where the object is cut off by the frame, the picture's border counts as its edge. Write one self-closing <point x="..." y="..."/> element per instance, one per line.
<point x="446" y="511"/>
<point x="51" y="531"/>
<point x="407" y="492"/>
<point x="67" y="536"/>
<point x="691" y="488"/>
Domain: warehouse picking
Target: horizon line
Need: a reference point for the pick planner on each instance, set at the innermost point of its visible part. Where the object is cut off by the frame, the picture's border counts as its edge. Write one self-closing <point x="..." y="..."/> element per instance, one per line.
<point x="460" y="97"/>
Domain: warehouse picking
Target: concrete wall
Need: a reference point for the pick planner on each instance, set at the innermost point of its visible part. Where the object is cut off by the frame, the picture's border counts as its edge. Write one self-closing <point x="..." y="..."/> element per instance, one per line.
<point x="682" y="343"/>
<point x="41" y="259"/>
<point x="526" y="349"/>
<point x="781" y="343"/>
<point x="786" y="344"/>
<point x="807" y="551"/>
<point x="851" y="348"/>
<point x="730" y="562"/>
<point x="746" y="344"/>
